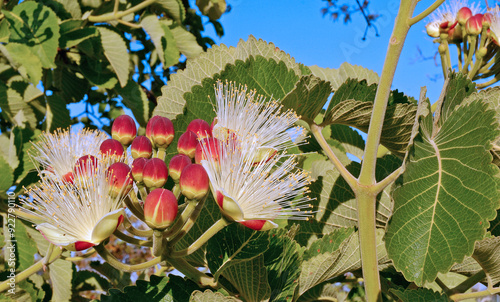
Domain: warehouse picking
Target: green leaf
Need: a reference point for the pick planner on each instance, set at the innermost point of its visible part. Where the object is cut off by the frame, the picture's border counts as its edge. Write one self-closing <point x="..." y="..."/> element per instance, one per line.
<point x="212" y="9"/>
<point x="118" y="278"/>
<point x="7" y="173"/>
<point x="325" y="292"/>
<point x="338" y="76"/>
<point x="74" y="36"/>
<point x="447" y="195"/>
<point x="209" y="296"/>
<point x="487" y="254"/>
<point x="234" y="244"/>
<point x="458" y="88"/>
<point x="22" y="59"/>
<point x="25" y="248"/>
<point x="136" y="100"/>
<point x="163" y="40"/>
<point x="86" y="280"/>
<point x="335" y="203"/>
<point x="249" y="278"/>
<point x="351" y="89"/>
<point x="15" y="109"/>
<point x="98" y="72"/>
<point x="165" y="289"/>
<point x="72" y="7"/>
<point x="115" y="50"/>
<point x="352" y="142"/>
<point x="4" y="31"/>
<point x="186" y="42"/>
<point x="22" y="141"/>
<point x="57" y="115"/>
<point x="328" y="243"/>
<point x="34" y="290"/>
<point x="35" y="26"/>
<point x="171" y="103"/>
<point x="308" y="97"/>
<point x="68" y="85"/>
<point x="419" y="295"/>
<point x="61" y="274"/>
<point x="174" y="8"/>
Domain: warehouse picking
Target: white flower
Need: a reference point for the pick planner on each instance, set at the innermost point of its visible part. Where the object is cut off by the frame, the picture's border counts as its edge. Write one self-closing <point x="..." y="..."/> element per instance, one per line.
<point x="254" y="194"/>
<point x="253" y="120"/>
<point x="57" y="152"/>
<point x="75" y="216"/>
<point x="448" y="12"/>
<point x="495" y="22"/>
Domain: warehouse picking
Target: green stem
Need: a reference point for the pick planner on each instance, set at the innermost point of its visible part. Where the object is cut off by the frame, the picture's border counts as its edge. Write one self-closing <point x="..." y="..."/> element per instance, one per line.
<point x="484" y="293"/>
<point x="192" y="273"/>
<point x="31" y="270"/>
<point x="88" y="254"/>
<point x="214" y="229"/>
<point x="176" y="190"/>
<point x="157" y="243"/>
<point x="101" y="250"/>
<point x="459" y="51"/>
<point x="183" y="218"/>
<point x="442" y="285"/>
<point x="161" y="154"/>
<point x="426" y="12"/>
<point x="468" y="283"/>
<point x="132" y="240"/>
<point x="366" y="199"/>
<point x="142" y="191"/>
<point x="472" y="49"/>
<point x="488" y="83"/>
<point x="316" y="131"/>
<point x="117" y="15"/>
<point x="174" y="238"/>
<point x="381" y="185"/>
<point x="131" y="206"/>
<point x="132" y="230"/>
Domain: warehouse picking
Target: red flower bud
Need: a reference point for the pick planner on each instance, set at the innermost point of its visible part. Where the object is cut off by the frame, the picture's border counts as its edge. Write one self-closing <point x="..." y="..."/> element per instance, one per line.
<point x="259" y="225"/>
<point x="474" y="25"/>
<point x="210" y="145"/>
<point x="187" y="143"/>
<point x="141" y="147"/>
<point x="200" y="127"/>
<point x="119" y="179"/>
<point x="487" y="19"/>
<point x="85" y="165"/>
<point x="463" y="15"/>
<point x="138" y="168"/>
<point x="161" y="132"/>
<point x="177" y="164"/>
<point x="155" y="173"/>
<point x="194" y="182"/>
<point x="124" y="129"/>
<point x="111" y="147"/>
<point x="149" y="126"/>
<point x="160" y="209"/>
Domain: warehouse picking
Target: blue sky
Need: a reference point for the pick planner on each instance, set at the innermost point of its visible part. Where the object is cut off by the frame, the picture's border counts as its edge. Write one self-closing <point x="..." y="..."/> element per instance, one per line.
<point x="298" y="28"/>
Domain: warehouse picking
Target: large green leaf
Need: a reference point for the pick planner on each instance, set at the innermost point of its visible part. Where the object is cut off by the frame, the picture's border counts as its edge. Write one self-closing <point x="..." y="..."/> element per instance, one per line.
<point x="115" y="50"/>
<point x="35" y="26"/>
<point x="57" y="115"/>
<point x="186" y="42"/>
<point x="419" y="295"/>
<point x="7" y="173"/>
<point x="447" y="194"/>
<point x="209" y="296"/>
<point x="25" y="248"/>
<point x="172" y="101"/>
<point x="234" y="244"/>
<point x="165" y="289"/>
<point x="15" y="109"/>
<point x="338" y="76"/>
<point x="308" y="97"/>
<point x="174" y="8"/>
<point x="22" y="142"/>
<point x="162" y="39"/>
<point x="118" y="278"/>
<point x="487" y="254"/>
<point x="136" y="100"/>
<point x="61" y="274"/>
<point x="325" y="292"/>
<point x="73" y="33"/>
<point x="68" y="85"/>
<point x="28" y="65"/>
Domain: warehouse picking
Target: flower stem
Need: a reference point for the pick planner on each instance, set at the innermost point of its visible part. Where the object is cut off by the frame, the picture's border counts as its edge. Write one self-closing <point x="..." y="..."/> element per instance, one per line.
<point x="104" y="253"/>
<point x="32" y="269"/>
<point x="88" y="254"/>
<point x="157" y="243"/>
<point x="426" y="12"/>
<point x="132" y="240"/>
<point x="117" y="15"/>
<point x="131" y="206"/>
<point x="132" y="230"/>
<point x="192" y="273"/>
<point x="468" y="283"/>
<point x="483" y="293"/>
<point x="187" y="225"/>
<point x="214" y="229"/>
<point x="174" y="230"/>
<point x="316" y="131"/>
<point x="161" y="154"/>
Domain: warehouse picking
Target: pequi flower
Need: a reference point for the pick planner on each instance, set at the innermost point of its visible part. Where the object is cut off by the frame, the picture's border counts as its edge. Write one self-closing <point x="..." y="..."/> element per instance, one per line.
<point x="494" y="21"/>
<point x="57" y="152"/>
<point x="253" y="120"/>
<point x="75" y="216"/>
<point x="255" y="194"/>
<point x="447" y="16"/>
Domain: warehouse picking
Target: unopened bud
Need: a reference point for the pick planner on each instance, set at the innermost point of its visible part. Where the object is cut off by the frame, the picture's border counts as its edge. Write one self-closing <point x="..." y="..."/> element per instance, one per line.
<point x="474" y="25"/>
<point x="138" y="168"/>
<point x="481" y="52"/>
<point x="210" y="145"/>
<point x="161" y="132"/>
<point x="85" y="167"/>
<point x="432" y="29"/>
<point x="259" y="225"/>
<point x="201" y="128"/>
<point x="141" y="147"/>
<point x="111" y="147"/>
<point x="487" y="19"/>
<point x="177" y="163"/>
<point x="119" y="179"/>
<point x="149" y="126"/>
<point x="194" y="182"/>
<point x="124" y="129"/>
<point x="160" y="209"/>
<point x="187" y="144"/>
<point x="155" y="173"/>
<point x="463" y="15"/>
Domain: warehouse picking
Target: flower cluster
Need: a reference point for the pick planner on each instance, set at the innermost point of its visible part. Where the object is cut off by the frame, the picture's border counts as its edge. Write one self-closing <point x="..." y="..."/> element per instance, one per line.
<point x="476" y="35"/>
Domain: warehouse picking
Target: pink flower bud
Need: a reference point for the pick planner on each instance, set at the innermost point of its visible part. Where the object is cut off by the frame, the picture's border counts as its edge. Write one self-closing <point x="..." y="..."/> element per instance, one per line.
<point x="141" y="147"/>
<point x="259" y="225"/>
<point x="210" y="145"/>
<point x="161" y="132"/>
<point x="187" y="143"/>
<point x="160" y="209"/>
<point x="124" y="129"/>
<point x="119" y="179"/>
<point x="194" y="182"/>
<point x="138" y="168"/>
<point x="487" y="19"/>
<point x="155" y="173"/>
<point x="85" y="165"/>
<point x="463" y="15"/>
<point x="201" y="128"/>
<point x="177" y="164"/>
<point x="111" y="147"/>
<point x="474" y="25"/>
<point x="149" y="126"/>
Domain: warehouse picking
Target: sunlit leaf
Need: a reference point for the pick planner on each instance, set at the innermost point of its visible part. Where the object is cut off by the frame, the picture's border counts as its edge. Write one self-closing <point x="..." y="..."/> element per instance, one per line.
<point x="209" y="296"/>
<point x="115" y="50"/>
<point x="338" y="76"/>
<point x="419" y="295"/>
